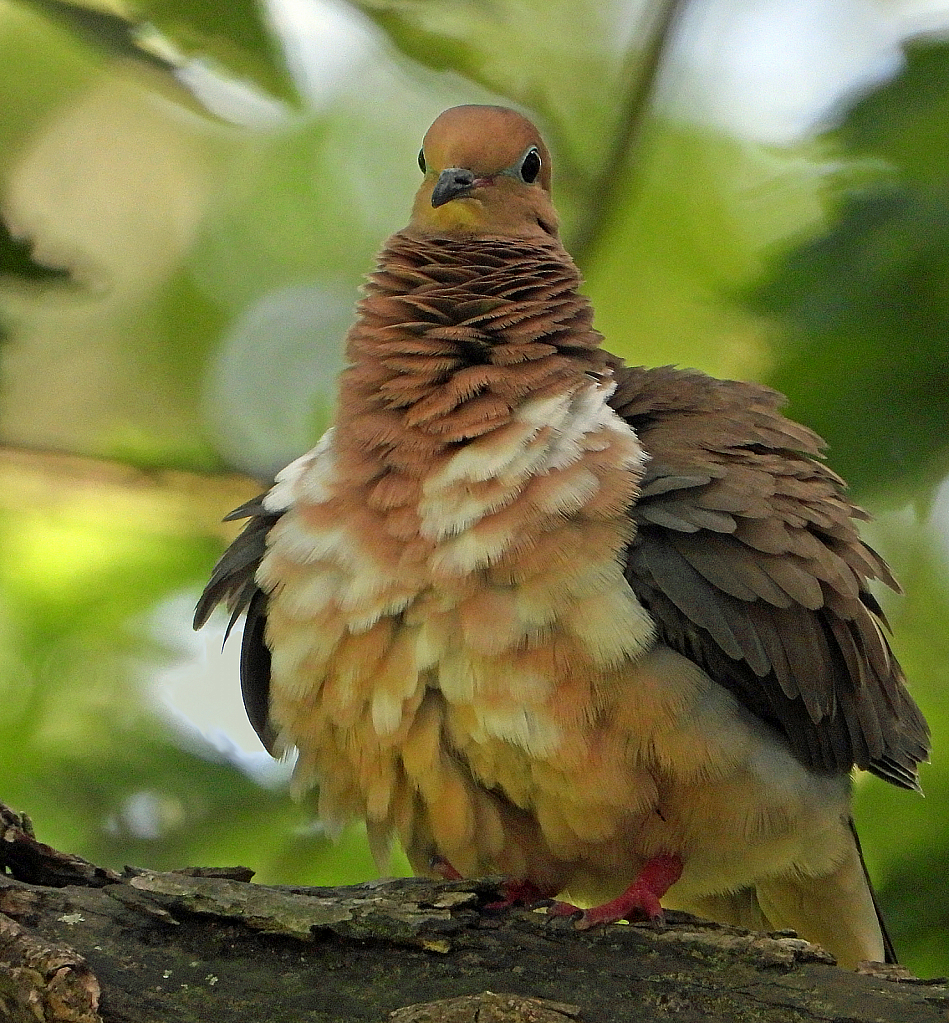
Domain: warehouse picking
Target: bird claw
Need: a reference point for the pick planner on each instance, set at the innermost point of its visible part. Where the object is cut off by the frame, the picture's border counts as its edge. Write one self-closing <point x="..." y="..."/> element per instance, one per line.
<point x="514" y="892"/>
<point x="440" y="867"/>
<point x="518" y="893"/>
<point x="633" y="904"/>
<point x="565" y="909"/>
<point x="640" y="900"/>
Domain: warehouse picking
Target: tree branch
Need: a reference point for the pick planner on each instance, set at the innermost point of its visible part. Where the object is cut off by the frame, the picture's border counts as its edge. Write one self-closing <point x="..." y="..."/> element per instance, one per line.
<point x="203" y="945"/>
<point x="623" y="159"/>
<point x="42" y="477"/>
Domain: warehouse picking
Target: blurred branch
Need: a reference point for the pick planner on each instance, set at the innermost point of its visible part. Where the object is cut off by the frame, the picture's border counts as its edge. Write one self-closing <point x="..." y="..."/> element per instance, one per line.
<point x="106" y="31"/>
<point x="621" y="162"/>
<point x="186" y="43"/>
<point x="34" y="862"/>
<point x="36" y="477"/>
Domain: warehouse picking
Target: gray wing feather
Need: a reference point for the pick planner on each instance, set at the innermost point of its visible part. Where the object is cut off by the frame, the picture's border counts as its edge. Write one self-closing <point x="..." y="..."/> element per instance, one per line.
<point x="748" y="558"/>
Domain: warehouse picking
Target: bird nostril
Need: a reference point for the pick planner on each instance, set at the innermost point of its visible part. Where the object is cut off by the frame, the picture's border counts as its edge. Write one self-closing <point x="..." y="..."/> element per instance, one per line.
<point x="453" y="183"/>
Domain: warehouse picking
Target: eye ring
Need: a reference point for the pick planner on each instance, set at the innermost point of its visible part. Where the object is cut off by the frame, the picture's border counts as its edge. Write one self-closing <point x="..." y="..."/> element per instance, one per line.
<point x="530" y="165"/>
<point x="421" y="161"/>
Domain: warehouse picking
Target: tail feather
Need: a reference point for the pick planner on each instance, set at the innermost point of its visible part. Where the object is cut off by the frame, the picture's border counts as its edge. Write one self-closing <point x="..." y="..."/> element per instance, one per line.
<point x="837" y="910"/>
<point x="889" y="949"/>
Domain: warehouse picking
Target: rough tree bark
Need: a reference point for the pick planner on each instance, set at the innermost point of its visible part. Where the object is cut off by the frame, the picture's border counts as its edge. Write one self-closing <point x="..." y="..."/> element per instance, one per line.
<point x="82" y="944"/>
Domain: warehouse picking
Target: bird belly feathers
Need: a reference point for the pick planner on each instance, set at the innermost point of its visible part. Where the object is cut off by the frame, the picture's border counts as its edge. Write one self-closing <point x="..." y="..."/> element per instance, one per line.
<point x="459" y="659"/>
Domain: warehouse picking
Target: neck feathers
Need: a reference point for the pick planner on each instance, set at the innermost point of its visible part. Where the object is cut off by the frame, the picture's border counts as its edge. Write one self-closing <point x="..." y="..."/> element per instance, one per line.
<point x="453" y="336"/>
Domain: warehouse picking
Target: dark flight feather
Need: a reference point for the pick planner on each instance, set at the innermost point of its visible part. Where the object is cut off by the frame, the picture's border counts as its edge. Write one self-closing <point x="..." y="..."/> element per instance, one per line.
<point x="232" y="583"/>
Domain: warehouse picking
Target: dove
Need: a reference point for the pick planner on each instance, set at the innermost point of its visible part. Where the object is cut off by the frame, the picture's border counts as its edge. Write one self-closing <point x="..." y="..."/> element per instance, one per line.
<point x="606" y="630"/>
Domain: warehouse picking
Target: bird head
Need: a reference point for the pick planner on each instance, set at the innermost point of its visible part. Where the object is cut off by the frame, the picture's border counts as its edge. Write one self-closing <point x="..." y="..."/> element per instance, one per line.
<point x="487" y="172"/>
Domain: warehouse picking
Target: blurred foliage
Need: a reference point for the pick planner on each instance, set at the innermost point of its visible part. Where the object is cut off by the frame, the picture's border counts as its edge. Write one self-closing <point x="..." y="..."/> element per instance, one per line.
<point x="865" y="303"/>
<point x="235" y="35"/>
<point x="217" y="224"/>
<point x="867" y="311"/>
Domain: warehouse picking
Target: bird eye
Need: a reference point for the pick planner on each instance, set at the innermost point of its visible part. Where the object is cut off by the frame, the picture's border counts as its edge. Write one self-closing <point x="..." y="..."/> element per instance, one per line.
<point x="421" y="160"/>
<point x="530" y="166"/>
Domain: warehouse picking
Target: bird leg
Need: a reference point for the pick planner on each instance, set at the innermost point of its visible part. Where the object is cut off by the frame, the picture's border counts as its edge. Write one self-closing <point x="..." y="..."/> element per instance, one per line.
<point x="440" y="867"/>
<point x="641" y="898"/>
<point x="514" y="892"/>
<point x="518" y="893"/>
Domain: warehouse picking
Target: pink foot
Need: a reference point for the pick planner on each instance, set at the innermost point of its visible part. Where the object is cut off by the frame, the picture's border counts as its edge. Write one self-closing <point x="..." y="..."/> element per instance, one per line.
<point x="514" y="893"/>
<point x="440" y="867"/>
<point x="641" y="898"/>
<point x="518" y="893"/>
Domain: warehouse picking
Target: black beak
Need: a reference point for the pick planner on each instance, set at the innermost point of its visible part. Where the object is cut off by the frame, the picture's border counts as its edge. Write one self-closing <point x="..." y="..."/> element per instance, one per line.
<point x="452" y="184"/>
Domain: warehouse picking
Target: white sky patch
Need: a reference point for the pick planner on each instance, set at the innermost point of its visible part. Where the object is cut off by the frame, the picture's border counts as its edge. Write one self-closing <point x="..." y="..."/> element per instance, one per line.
<point x="324" y="45"/>
<point x="773" y="70"/>
<point x="232" y="99"/>
<point x="197" y="688"/>
<point x="147" y="815"/>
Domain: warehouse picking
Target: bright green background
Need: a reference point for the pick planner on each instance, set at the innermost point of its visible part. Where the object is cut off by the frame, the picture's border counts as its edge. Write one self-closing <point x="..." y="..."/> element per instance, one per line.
<point x="203" y="273"/>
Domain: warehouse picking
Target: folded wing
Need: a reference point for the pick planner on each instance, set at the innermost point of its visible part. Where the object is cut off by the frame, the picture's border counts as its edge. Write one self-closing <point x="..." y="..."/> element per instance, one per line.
<point x="748" y="558"/>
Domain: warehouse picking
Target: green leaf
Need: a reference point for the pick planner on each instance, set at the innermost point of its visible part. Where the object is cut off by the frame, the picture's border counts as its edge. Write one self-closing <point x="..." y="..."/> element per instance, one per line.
<point x="864" y="359"/>
<point x="106" y="30"/>
<point x="672" y="252"/>
<point x="238" y="34"/>
<point x="42" y="69"/>
<point x="862" y="309"/>
<point x="904" y="121"/>
<point x="904" y="836"/>
<point x="167" y="36"/>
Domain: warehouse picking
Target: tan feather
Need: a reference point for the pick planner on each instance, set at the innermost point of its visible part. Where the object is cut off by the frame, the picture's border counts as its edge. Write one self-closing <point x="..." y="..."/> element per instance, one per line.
<point x="535" y="611"/>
